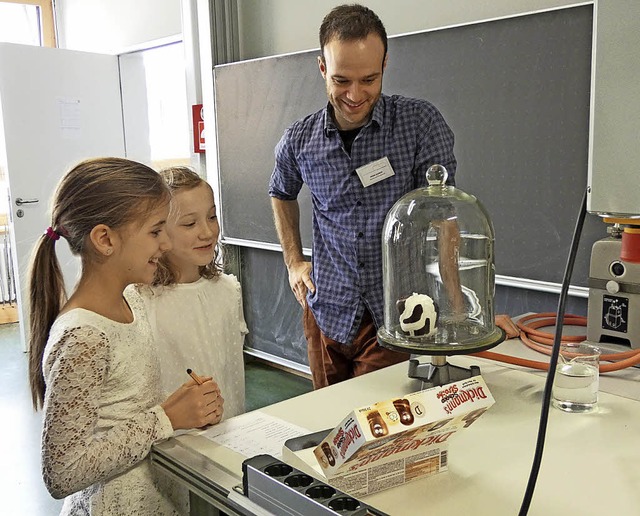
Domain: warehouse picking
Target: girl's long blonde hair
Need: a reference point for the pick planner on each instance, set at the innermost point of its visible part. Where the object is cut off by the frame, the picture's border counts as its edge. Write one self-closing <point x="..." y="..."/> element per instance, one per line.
<point x="178" y="179"/>
<point x="110" y="191"/>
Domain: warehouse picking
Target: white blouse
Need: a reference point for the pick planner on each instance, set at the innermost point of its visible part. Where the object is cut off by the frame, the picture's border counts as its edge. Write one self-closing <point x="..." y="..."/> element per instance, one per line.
<point x="102" y="414"/>
<point x="201" y="326"/>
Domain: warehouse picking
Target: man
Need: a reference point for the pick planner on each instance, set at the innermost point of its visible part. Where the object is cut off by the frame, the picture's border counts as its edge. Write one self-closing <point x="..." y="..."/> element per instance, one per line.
<point x="358" y="156"/>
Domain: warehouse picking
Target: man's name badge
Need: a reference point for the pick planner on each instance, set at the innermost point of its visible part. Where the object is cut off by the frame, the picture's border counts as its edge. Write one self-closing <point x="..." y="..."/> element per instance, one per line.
<point x="374" y="172"/>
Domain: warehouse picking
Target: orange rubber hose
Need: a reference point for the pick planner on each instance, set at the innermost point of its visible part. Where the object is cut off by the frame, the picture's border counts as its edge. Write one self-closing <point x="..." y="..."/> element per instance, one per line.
<point x="542" y="341"/>
<point x="512" y="360"/>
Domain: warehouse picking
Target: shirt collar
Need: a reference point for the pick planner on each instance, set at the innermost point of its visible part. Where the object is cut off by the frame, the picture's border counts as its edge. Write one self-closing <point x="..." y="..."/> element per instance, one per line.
<point x="377" y="117"/>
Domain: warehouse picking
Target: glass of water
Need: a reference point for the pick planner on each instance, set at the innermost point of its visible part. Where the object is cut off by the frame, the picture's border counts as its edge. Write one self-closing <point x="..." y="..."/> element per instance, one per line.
<point x="575" y="386"/>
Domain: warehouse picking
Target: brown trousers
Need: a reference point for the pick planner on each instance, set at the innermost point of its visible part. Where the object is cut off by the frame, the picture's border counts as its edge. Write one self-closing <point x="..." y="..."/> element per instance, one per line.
<point x="332" y="362"/>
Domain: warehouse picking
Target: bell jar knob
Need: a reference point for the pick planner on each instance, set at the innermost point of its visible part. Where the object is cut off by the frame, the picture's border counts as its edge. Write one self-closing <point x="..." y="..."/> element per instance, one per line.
<point x="437" y="175"/>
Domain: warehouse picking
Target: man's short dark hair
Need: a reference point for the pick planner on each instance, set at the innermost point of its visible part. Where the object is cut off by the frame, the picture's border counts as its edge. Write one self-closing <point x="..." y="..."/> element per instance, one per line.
<point x="350" y="22"/>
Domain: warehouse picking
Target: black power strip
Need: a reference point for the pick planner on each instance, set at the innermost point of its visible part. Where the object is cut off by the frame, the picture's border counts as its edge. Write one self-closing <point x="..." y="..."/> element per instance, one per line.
<point x="283" y="490"/>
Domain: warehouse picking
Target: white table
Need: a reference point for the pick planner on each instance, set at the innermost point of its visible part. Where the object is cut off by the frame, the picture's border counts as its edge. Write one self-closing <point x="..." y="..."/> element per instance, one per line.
<point x="591" y="463"/>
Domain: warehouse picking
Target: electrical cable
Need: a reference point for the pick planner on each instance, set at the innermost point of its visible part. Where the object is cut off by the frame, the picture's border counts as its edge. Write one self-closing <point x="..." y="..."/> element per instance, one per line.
<point x="546" y="401"/>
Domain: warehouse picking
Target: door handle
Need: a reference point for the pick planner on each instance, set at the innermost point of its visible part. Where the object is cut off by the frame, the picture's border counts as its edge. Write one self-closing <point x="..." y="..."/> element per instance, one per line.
<point x="20" y="201"/>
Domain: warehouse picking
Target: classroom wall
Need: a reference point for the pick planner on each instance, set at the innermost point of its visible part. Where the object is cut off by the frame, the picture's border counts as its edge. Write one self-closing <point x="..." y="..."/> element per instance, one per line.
<point x="111" y="26"/>
<point x="282" y="26"/>
<point x="266" y="27"/>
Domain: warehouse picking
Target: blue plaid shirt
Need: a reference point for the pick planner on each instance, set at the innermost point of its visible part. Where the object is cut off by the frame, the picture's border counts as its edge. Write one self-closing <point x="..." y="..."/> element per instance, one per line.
<point x="348" y="218"/>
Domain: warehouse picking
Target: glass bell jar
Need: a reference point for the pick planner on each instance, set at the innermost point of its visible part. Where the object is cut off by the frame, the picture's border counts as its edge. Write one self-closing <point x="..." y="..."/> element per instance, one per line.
<point x="438" y="272"/>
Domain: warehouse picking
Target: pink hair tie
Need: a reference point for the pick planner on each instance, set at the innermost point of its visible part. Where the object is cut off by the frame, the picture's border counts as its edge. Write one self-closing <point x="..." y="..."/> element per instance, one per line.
<point x="50" y="232"/>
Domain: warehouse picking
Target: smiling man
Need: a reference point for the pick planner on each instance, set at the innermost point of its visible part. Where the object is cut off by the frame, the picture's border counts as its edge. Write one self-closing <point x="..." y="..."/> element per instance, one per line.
<point x="358" y="156"/>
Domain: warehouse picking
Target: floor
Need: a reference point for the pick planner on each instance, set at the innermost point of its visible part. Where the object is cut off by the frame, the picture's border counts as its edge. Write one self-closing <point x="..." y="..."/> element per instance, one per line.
<point x="21" y="488"/>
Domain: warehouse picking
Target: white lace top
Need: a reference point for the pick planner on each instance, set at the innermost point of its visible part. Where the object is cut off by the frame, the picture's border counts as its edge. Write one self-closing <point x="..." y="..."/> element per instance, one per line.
<point x="201" y="326"/>
<point x="102" y="414"/>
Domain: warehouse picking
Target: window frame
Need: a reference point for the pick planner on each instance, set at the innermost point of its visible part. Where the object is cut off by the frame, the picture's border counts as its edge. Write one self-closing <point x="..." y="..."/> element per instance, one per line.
<point x="47" y="24"/>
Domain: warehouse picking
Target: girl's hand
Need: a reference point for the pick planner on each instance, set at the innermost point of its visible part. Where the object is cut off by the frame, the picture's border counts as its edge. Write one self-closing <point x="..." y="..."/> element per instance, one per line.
<point x="194" y="406"/>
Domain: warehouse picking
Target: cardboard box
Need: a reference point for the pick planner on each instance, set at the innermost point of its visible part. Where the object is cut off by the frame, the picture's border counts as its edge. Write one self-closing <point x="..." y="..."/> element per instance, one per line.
<point x="395" y="441"/>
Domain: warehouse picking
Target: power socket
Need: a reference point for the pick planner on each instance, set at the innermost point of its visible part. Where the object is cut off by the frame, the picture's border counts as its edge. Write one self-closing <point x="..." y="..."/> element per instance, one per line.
<point x="284" y="490"/>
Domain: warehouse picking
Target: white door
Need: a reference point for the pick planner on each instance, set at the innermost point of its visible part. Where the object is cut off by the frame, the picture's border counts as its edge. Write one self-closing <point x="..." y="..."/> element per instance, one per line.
<point x="57" y="107"/>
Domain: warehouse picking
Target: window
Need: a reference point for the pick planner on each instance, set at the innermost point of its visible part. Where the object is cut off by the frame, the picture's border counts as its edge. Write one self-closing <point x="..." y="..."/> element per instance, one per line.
<point x="29" y="22"/>
<point x="167" y="105"/>
<point x="156" y="111"/>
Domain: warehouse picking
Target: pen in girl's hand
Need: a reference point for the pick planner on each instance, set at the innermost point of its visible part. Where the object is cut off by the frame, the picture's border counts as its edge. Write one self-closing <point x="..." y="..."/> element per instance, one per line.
<point x="195" y="377"/>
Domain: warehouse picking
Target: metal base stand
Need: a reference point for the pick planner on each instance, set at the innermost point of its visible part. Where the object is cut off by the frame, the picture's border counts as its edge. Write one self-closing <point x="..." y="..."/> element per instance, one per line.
<point x="439" y="371"/>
